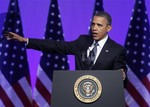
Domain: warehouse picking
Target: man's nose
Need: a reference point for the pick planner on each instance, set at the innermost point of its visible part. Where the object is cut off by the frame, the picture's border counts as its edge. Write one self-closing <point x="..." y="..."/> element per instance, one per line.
<point x="95" y="27"/>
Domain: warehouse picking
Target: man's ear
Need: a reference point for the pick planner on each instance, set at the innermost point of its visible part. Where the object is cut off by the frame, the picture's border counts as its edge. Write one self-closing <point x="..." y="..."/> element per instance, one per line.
<point x="109" y="27"/>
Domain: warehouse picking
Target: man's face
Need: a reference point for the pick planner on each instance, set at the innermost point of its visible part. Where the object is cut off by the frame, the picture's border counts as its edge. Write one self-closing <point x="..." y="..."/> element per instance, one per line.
<point x="99" y="27"/>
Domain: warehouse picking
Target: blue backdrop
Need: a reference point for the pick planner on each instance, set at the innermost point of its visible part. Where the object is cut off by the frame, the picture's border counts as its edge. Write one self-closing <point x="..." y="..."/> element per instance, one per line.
<point x="75" y="16"/>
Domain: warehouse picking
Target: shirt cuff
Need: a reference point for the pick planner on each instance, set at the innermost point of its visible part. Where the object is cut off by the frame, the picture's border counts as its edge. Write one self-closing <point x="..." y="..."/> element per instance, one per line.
<point x="27" y="41"/>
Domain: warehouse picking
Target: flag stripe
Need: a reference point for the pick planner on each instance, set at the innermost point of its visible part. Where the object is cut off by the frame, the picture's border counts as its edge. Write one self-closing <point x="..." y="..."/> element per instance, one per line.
<point x="146" y="82"/>
<point x="5" y="99"/>
<point x="136" y="88"/>
<point x="44" y="92"/>
<point x="11" y="94"/>
<point x="126" y="105"/>
<point x="130" y="100"/>
<point x="39" y="99"/>
<point x="148" y="77"/>
<point x="21" y="93"/>
<point x="46" y="81"/>
<point x="139" y="85"/>
<point x="1" y="103"/>
<point x="136" y="95"/>
<point x="25" y="83"/>
<point x="28" y="79"/>
<point x="35" y="103"/>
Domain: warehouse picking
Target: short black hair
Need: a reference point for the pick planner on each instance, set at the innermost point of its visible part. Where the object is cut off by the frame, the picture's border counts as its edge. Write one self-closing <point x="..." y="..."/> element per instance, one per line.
<point x="105" y="15"/>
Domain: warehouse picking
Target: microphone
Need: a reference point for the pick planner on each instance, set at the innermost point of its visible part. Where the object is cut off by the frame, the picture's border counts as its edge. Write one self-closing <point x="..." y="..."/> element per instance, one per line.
<point x="84" y="59"/>
<point x="83" y="56"/>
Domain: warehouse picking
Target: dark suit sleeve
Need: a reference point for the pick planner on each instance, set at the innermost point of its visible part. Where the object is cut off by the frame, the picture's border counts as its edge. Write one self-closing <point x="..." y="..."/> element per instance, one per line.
<point x="120" y="61"/>
<point x="52" y="46"/>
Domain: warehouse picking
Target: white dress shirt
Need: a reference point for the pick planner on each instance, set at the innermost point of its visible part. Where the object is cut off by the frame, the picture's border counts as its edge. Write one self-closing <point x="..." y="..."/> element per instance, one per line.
<point x="99" y="47"/>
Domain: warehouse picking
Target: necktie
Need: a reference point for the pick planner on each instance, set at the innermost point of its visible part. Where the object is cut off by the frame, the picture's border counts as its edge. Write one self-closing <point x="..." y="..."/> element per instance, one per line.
<point x="92" y="54"/>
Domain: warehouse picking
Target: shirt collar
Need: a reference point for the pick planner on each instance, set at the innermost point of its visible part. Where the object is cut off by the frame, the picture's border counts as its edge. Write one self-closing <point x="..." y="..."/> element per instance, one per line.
<point x="101" y="42"/>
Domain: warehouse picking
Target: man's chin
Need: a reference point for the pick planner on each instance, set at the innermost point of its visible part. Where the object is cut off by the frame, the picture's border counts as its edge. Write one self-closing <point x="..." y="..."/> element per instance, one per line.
<point x="95" y="38"/>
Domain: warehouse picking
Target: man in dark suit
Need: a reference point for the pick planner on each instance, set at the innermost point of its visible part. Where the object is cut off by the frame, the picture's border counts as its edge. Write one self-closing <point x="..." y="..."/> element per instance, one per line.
<point x="109" y="55"/>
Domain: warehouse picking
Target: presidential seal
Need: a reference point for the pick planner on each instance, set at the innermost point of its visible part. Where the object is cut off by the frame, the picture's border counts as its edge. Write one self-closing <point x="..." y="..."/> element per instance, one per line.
<point x="87" y="88"/>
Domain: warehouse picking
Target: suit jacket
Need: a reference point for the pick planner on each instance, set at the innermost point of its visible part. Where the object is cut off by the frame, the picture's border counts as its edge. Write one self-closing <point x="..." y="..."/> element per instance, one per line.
<point x="112" y="56"/>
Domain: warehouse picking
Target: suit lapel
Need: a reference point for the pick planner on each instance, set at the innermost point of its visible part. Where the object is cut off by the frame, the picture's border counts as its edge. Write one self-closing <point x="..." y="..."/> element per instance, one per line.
<point x="104" y="52"/>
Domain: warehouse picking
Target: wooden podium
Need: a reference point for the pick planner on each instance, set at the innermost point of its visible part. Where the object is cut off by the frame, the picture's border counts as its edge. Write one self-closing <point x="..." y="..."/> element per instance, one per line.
<point x="112" y="89"/>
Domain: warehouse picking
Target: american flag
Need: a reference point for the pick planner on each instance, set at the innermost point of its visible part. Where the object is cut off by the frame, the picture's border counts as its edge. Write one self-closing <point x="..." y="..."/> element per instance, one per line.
<point x="137" y="92"/>
<point x="15" y="87"/>
<point x="2" y="17"/>
<point x="98" y="6"/>
<point x="49" y="62"/>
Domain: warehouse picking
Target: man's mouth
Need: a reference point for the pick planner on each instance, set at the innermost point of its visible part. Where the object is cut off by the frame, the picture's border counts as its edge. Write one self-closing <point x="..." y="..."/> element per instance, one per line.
<point x="94" y="33"/>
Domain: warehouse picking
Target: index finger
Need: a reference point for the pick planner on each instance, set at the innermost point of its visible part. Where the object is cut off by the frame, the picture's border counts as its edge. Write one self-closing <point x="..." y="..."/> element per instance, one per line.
<point x="8" y="34"/>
